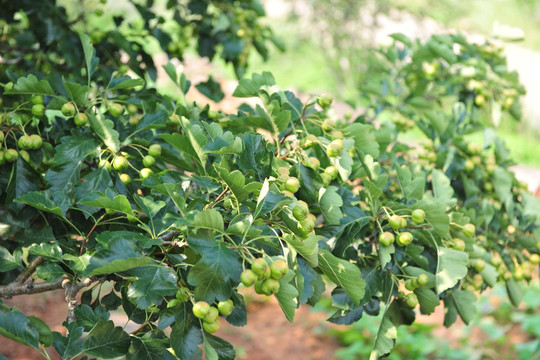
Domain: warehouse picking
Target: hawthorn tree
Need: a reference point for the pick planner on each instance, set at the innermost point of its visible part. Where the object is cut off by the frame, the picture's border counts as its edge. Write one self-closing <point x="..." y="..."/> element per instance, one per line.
<point x="167" y="209"/>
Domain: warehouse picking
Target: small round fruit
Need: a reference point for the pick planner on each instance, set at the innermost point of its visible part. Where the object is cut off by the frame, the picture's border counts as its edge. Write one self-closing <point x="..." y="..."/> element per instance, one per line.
<point x="386" y="238"/>
<point x="10" y="155"/>
<point x="404" y="238"/>
<point x="300" y="211"/>
<point x="518" y="274"/>
<point x="154" y="150"/>
<point x="422" y="279"/>
<point x="332" y="171"/>
<point x="120" y="163"/>
<point x="418" y="216"/>
<point x="182" y="294"/>
<point x="200" y="309"/>
<point x="37" y="141"/>
<point x="306" y="226"/>
<point x="396" y="222"/>
<point x="411" y="284"/>
<point x="260" y="267"/>
<point x="292" y="184"/>
<point x="534" y="259"/>
<point x="148" y="161"/>
<point x="325" y="100"/>
<point x="459" y="244"/>
<point x="474" y="149"/>
<point x="287" y="194"/>
<point x="469" y="165"/>
<point x="225" y="307"/>
<point x="38" y="110"/>
<point x="24" y="154"/>
<point x="132" y="109"/>
<point x="411" y="300"/>
<point x="212" y="327"/>
<point x="37" y="99"/>
<point x="25" y="142"/>
<point x="145" y="173"/>
<point x="258" y="287"/>
<point x="248" y="278"/>
<point x="68" y="109"/>
<point x="270" y="286"/>
<point x="116" y="110"/>
<point x="105" y="164"/>
<point x="278" y="269"/>
<point x="2" y="136"/>
<point x="479" y="265"/>
<point x="80" y="119"/>
<point x="125" y="178"/>
<point x="469" y="230"/>
<point x="211" y="315"/>
<point x="313" y="163"/>
<point x="335" y="148"/>
<point x="326" y="179"/>
<point x="496" y="260"/>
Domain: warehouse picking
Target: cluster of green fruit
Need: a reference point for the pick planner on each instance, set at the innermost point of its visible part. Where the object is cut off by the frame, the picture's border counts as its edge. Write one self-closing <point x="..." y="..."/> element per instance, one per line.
<point x="411" y="284"/>
<point x="398" y="223"/>
<point x="210" y="314"/>
<point x="263" y="276"/>
<point x="120" y="163"/>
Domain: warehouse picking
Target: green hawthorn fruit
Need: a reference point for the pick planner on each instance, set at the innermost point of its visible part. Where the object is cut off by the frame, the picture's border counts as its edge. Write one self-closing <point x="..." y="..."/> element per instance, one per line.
<point x="173" y="303"/>
<point x="68" y="109"/>
<point x="11" y="155"/>
<point x="404" y="238"/>
<point x="25" y="142"/>
<point x="332" y="171"/>
<point x="386" y="238"/>
<point x="422" y="279"/>
<point x="326" y="179"/>
<point x="2" y="136"/>
<point x="306" y="226"/>
<point x="469" y="165"/>
<point x="182" y="294"/>
<point x="211" y="315"/>
<point x="260" y="267"/>
<point x="24" y="154"/>
<point x="212" y="327"/>
<point x="459" y="244"/>
<point x="300" y="211"/>
<point x="154" y="150"/>
<point x="148" y="161"/>
<point x="2" y="157"/>
<point x="248" y="278"/>
<point x="110" y="211"/>
<point x="518" y="274"/>
<point x="120" y="163"/>
<point x="488" y="187"/>
<point x="173" y="121"/>
<point x="411" y="284"/>
<point x="496" y="260"/>
<point x="411" y="300"/>
<point x="310" y="141"/>
<point x="225" y="307"/>
<point x="116" y="110"/>
<point x="36" y="141"/>
<point x="38" y="110"/>
<point x="328" y="124"/>
<point x="105" y="164"/>
<point x="396" y="222"/>
<point x="200" y="309"/>
<point x="125" y="178"/>
<point x="468" y="230"/>
<point x="534" y="259"/>
<point x="80" y="119"/>
<point x="258" y="287"/>
<point x="313" y="163"/>
<point x="418" y="216"/>
<point x="336" y="134"/>
<point x="292" y="184"/>
<point x="287" y="194"/>
<point x="325" y="100"/>
<point x="37" y="99"/>
<point x="270" y="286"/>
<point x="145" y="173"/>
<point x="132" y="109"/>
<point x="278" y="269"/>
<point x="335" y="148"/>
<point x="474" y="149"/>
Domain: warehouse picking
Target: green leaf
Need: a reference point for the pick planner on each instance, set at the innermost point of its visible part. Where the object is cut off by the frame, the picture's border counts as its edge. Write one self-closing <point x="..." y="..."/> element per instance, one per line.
<point x="490" y="274"/>
<point x="435" y="214"/>
<point x="21" y="180"/>
<point x="104" y="128"/>
<point x="77" y="92"/>
<point x="139" y="240"/>
<point x="330" y="203"/>
<point x="209" y="219"/>
<point x="30" y="85"/>
<point x="16" y="326"/>
<point x="402" y="38"/>
<point x="514" y="292"/>
<point x="7" y="261"/>
<point x="119" y="203"/>
<point x="385" y="254"/>
<point x="465" y="303"/>
<point x="224" y="350"/>
<point x="250" y="87"/>
<point x="152" y="285"/>
<point x="396" y="314"/>
<point x="185" y="336"/>
<point x="51" y="252"/>
<point x="121" y="256"/>
<point x="218" y="267"/>
<point x="78" y="263"/>
<point x="44" y="201"/>
<point x="125" y="82"/>
<point x="344" y="274"/>
<point x="451" y="268"/>
<point x="443" y="191"/>
<point x="211" y="89"/>
<point x="364" y="138"/>
<point x="106" y="341"/>
<point x="88" y="317"/>
<point x="287" y="296"/>
<point x="413" y="189"/>
<point x="64" y="177"/>
<point x="502" y="182"/>
<point x="256" y="157"/>
<point x="236" y="181"/>
<point x="89" y="55"/>
<point x="75" y="148"/>
<point x="50" y="272"/>
<point x="428" y="299"/>
<point x="72" y="343"/>
<point x="152" y="346"/>
<point x="308" y="248"/>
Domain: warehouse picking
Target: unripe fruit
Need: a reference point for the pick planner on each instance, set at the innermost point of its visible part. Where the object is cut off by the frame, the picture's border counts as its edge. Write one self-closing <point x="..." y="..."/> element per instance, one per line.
<point x="2" y="136"/>
<point x="248" y="278"/>
<point x="474" y="149"/>
<point x="68" y="109"/>
<point x="313" y="163"/>
<point x="404" y="238"/>
<point x="310" y="141"/>
<point x="469" y="165"/>
<point x="2" y="158"/>
<point x="396" y="222"/>
<point x="278" y="269"/>
<point x="326" y="179"/>
<point x="479" y="265"/>
<point x="120" y="163"/>
<point x="496" y="260"/>
<point x="336" y="134"/>
<point x="80" y="119"/>
<point x="422" y="279"/>
<point x="211" y="315"/>
<point x="154" y="150"/>
<point x="38" y="110"/>
<point x="332" y="171"/>
<point x="411" y="300"/>
<point x="287" y="194"/>
<point x="25" y="142"/>
<point x="258" y="287"/>
<point x="292" y="184"/>
<point x="386" y="238"/>
<point x="270" y="286"/>
<point x="37" y="99"/>
<point x="325" y="100"/>
<point x="145" y="173"/>
<point x="212" y="327"/>
<point x="260" y="267"/>
<point x="459" y="245"/>
<point x="116" y="110"/>
<point x="335" y="148"/>
<point x="148" y="161"/>
<point x="468" y="230"/>
<point x="37" y="141"/>
<point x="306" y="226"/>
<point x="125" y="178"/>
<point x="132" y="109"/>
<point x="105" y="164"/>
<point x="225" y="307"/>
<point x="411" y="284"/>
<point x="518" y="274"/>
<point x="200" y="309"/>
<point x="534" y="259"/>
<point x="300" y="211"/>
<point x="10" y="155"/>
<point x="418" y="216"/>
<point x="24" y="154"/>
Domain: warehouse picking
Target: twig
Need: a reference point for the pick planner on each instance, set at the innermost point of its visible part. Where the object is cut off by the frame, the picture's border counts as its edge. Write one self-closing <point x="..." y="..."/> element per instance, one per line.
<point x="14" y="289"/>
<point x="23" y="276"/>
<point x="218" y="198"/>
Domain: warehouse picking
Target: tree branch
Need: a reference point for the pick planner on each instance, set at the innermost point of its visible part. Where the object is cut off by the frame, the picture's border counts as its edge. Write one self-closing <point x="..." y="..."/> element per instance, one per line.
<point x="15" y="288"/>
<point x="23" y="276"/>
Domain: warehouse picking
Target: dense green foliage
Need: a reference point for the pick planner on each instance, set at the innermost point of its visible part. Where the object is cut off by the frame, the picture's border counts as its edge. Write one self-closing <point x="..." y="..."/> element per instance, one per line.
<point x="167" y="209"/>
